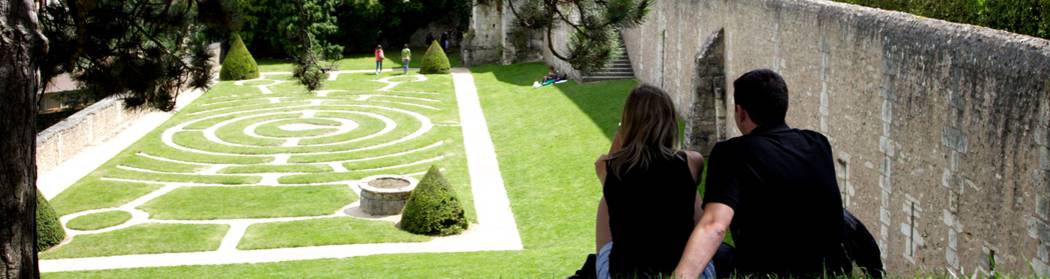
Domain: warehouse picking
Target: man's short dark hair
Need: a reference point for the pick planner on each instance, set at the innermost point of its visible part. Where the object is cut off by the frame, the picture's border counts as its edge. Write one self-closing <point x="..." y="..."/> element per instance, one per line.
<point x="764" y="95"/>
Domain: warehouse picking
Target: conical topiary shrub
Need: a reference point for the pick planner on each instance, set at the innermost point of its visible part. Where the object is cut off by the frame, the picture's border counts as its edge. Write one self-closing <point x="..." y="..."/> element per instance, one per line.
<point x="49" y="230"/>
<point x="433" y="208"/>
<point x="239" y="63"/>
<point x="435" y="61"/>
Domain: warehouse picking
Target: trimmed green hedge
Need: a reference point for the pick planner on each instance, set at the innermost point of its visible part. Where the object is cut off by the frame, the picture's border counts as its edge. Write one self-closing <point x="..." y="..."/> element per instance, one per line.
<point x="239" y="63"/>
<point x="435" y="61"/>
<point x="1029" y="17"/>
<point x="49" y="230"/>
<point x="433" y="208"/>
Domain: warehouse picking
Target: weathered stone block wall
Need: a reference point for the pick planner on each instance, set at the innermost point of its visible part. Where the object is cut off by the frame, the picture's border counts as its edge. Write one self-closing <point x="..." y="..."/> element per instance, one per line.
<point x="939" y="129"/>
<point x="493" y="37"/>
<point x="93" y="124"/>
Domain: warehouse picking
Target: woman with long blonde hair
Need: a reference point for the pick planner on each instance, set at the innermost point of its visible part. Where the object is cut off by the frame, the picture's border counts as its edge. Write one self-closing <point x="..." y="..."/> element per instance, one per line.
<point x="650" y="202"/>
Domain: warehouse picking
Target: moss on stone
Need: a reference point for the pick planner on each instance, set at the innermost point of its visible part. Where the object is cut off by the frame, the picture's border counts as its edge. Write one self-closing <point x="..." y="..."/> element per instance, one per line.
<point x="433" y="208"/>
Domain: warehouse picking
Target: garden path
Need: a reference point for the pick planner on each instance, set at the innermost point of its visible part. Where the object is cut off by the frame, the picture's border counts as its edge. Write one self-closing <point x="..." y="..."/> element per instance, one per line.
<point x="496" y="228"/>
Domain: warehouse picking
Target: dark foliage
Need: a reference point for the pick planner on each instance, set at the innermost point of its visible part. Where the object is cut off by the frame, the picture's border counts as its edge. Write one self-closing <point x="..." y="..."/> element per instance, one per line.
<point x="143" y="50"/>
<point x="595" y="31"/>
<point x="270" y="27"/>
<point x="353" y="25"/>
<point x="309" y="51"/>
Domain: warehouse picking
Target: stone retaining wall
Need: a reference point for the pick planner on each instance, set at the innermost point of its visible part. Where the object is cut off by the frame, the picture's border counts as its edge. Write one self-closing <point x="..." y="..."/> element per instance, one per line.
<point x="89" y="126"/>
<point x="939" y="129"/>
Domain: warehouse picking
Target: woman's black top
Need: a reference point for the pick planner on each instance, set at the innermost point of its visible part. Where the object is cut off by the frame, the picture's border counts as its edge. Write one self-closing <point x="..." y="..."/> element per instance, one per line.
<point x="650" y="216"/>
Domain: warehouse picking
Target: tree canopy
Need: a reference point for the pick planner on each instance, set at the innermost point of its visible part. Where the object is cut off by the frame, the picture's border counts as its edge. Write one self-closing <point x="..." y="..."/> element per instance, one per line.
<point x="595" y="25"/>
<point x="354" y="25"/>
<point x="143" y="50"/>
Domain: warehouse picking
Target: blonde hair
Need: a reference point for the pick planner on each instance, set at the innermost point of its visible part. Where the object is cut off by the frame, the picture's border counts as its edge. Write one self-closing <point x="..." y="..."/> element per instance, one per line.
<point x="648" y="130"/>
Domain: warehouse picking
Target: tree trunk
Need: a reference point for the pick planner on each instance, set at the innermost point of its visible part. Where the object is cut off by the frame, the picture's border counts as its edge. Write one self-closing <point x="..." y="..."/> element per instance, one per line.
<point x="21" y="45"/>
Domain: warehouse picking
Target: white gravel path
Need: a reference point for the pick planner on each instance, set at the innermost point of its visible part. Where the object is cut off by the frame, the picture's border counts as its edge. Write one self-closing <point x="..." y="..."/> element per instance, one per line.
<point x="496" y="228"/>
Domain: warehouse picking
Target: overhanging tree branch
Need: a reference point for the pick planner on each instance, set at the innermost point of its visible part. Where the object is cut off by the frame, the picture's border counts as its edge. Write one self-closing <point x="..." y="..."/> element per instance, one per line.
<point x="592" y="39"/>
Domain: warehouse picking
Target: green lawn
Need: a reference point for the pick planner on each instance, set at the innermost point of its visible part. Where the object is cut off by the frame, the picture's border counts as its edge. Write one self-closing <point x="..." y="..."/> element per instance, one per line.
<point x="546" y="140"/>
<point x="94" y="193"/>
<point x="209" y="203"/>
<point x="142" y="239"/>
<point x="327" y="231"/>
<point x="363" y="61"/>
<point x="238" y="152"/>
<point x="99" y="220"/>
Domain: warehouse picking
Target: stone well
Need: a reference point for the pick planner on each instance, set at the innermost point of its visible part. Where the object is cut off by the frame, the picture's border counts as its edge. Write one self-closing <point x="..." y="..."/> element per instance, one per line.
<point x="385" y="194"/>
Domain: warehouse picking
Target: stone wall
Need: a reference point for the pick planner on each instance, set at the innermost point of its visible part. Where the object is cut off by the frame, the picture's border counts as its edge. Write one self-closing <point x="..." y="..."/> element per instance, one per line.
<point x="93" y="124"/>
<point x="939" y="130"/>
<point x="494" y="38"/>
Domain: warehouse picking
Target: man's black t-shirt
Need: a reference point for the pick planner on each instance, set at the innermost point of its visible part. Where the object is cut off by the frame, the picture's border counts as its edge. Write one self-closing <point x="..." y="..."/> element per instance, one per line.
<point x="781" y="185"/>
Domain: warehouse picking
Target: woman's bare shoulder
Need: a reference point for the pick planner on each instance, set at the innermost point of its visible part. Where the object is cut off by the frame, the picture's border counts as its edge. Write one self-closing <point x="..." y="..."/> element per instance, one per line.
<point x="694" y="157"/>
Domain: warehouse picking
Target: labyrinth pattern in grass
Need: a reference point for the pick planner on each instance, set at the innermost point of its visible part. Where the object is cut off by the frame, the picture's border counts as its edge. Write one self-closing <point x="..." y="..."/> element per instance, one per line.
<point x="250" y="158"/>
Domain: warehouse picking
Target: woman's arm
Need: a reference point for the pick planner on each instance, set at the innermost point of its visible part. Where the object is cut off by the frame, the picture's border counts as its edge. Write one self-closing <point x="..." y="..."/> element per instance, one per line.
<point x="696" y="166"/>
<point x="602" y="233"/>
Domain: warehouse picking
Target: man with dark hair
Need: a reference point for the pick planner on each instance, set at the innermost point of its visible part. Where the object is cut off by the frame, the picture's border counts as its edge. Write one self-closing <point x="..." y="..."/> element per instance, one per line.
<point x="774" y="188"/>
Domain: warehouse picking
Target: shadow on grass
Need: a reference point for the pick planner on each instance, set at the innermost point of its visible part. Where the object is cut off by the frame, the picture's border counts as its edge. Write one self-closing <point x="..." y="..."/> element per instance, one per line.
<point x="602" y="102"/>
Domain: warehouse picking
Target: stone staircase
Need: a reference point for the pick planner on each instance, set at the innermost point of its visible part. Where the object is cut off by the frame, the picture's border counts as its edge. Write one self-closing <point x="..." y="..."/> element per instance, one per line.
<point x="618" y="68"/>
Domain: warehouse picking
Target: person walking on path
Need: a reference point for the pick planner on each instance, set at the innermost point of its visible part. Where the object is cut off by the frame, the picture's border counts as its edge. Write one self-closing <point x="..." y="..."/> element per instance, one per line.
<point x="379" y="59"/>
<point x="406" y="58"/>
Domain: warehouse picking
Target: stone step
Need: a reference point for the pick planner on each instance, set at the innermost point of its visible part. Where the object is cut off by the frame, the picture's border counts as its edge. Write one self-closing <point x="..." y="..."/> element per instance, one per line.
<point x="618" y="66"/>
<point x="605" y="78"/>
<point x="618" y="72"/>
<point x="616" y="76"/>
<point x="604" y="73"/>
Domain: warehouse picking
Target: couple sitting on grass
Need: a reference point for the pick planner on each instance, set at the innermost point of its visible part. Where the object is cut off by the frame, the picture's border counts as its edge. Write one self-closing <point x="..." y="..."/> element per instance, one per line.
<point x="773" y="188"/>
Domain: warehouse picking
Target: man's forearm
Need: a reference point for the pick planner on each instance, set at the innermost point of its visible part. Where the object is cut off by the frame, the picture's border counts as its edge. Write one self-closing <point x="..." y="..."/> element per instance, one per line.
<point x="704" y="240"/>
<point x="703" y="243"/>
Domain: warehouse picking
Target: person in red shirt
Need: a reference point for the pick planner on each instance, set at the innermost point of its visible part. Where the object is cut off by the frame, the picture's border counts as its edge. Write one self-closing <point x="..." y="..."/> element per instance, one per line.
<point x="379" y="59"/>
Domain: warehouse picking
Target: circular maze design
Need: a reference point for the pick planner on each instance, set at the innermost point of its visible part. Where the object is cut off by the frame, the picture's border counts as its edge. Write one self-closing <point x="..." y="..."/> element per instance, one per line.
<point x="264" y="150"/>
<point x="333" y="136"/>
